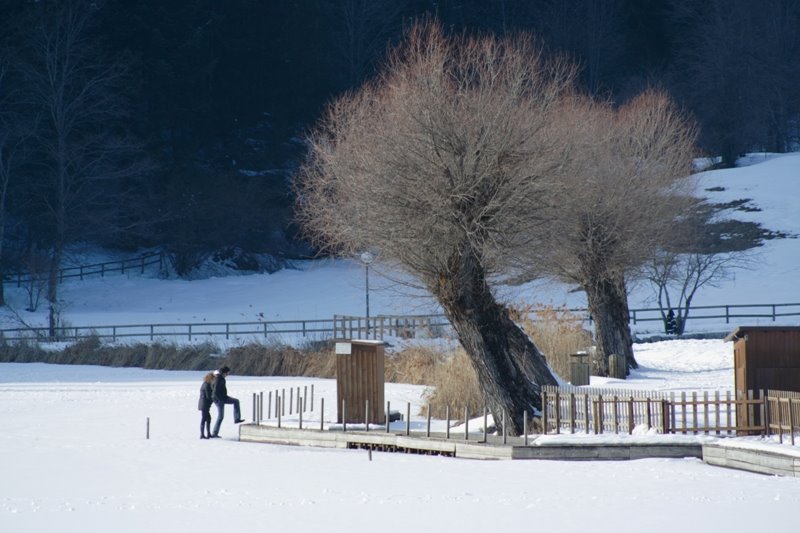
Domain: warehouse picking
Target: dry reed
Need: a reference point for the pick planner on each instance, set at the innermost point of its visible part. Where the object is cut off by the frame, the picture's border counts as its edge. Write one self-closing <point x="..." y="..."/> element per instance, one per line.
<point x="556" y="331"/>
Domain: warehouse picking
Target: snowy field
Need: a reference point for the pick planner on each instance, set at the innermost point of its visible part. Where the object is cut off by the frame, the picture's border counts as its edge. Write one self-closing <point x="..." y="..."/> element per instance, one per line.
<point x="77" y="458"/>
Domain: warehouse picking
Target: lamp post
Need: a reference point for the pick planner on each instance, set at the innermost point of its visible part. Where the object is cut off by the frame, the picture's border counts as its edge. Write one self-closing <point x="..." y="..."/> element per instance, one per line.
<point x="366" y="259"/>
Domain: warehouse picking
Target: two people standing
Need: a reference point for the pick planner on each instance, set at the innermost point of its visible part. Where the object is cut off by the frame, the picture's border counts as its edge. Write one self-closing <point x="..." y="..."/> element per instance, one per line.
<point x="214" y="390"/>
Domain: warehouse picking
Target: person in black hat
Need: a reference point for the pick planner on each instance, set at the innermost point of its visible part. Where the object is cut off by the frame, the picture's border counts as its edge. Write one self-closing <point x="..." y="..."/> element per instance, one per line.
<point x="219" y="391"/>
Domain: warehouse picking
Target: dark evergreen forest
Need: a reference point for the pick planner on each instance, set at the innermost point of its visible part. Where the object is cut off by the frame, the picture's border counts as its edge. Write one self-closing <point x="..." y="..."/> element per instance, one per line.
<point x="179" y="124"/>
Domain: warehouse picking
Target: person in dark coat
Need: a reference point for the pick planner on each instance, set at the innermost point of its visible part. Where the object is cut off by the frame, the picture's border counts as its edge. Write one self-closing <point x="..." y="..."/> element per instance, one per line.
<point x="220" y="394"/>
<point x="204" y="405"/>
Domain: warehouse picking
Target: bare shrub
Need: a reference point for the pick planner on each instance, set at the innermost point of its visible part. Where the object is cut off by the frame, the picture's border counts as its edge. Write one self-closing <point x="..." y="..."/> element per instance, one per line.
<point x="557" y="331"/>
<point x="20" y="352"/>
<point x="280" y="360"/>
<point x="455" y="385"/>
<point x="415" y="365"/>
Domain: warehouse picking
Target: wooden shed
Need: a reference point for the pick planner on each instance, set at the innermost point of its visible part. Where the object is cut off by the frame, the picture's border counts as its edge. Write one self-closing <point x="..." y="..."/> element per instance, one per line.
<point x="360" y="381"/>
<point x="765" y="357"/>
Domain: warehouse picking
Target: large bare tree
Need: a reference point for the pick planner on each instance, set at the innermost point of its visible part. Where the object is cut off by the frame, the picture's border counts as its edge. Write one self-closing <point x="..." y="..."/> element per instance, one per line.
<point x="440" y="166"/>
<point x="621" y="193"/>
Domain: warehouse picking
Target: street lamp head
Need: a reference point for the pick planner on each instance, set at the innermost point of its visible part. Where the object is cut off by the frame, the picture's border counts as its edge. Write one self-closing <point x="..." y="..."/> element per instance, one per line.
<point x="367" y="257"/>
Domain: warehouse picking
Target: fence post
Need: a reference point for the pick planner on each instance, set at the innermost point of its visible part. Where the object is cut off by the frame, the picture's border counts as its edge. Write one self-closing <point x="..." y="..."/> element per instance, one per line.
<point x="630" y="415"/>
<point x="557" y="405"/>
<point x="505" y="428"/>
<point x="525" y="426"/>
<point x="572" y="412"/>
<point x="728" y="424"/>
<point x="586" y="413"/>
<point x="544" y="412"/>
<point x="428" y="427"/>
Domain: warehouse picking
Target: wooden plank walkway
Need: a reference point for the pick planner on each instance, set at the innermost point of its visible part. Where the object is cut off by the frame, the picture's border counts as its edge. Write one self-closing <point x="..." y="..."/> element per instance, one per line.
<point x="494" y="448"/>
<point x="778" y="462"/>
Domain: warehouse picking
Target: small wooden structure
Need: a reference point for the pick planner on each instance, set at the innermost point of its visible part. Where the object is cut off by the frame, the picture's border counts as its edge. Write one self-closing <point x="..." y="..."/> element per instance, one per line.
<point x="360" y="382"/>
<point x="765" y="357"/>
<point x="579" y="369"/>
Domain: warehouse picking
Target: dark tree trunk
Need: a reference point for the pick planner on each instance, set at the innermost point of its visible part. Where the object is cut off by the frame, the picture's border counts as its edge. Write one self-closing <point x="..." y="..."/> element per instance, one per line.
<point x="608" y="306"/>
<point x="52" y="292"/>
<point x="509" y="367"/>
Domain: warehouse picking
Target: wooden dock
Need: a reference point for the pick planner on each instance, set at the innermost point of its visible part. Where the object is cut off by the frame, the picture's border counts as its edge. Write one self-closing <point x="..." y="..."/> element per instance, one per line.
<point x="782" y="461"/>
<point x="493" y="448"/>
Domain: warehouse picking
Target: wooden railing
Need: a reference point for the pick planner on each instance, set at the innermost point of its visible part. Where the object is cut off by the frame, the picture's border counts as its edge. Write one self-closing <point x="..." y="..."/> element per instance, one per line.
<point x="378" y="327"/>
<point x="784" y="413"/>
<point x="135" y="264"/>
<point x="596" y="411"/>
<point x="340" y="327"/>
<point x="169" y="331"/>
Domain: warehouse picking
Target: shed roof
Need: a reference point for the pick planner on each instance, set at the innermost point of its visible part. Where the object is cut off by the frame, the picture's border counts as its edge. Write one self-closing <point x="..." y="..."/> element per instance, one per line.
<point x="741" y="331"/>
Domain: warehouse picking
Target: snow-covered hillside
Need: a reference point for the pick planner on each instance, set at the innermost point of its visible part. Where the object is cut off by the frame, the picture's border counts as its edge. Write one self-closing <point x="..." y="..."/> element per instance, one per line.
<point x="320" y="289"/>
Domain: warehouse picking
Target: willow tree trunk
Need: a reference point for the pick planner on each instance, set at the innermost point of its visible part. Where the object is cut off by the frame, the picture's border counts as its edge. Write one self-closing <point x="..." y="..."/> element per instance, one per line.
<point x="509" y="367"/>
<point x="608" y="306"/>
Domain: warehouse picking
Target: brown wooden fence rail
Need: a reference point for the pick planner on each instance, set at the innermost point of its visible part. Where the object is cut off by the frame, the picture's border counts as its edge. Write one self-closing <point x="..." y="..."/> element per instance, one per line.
<point x="378" y="327"/>
<point x="203" y="331"/>
<point x="783" y="410"/>
<point x="596" y="411"/>
<point x="135" y="264"/>
<point x="340" y="327"/>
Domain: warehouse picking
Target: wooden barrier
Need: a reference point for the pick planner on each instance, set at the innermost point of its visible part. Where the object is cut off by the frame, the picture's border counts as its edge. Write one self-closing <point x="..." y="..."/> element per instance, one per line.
<point x="597" y="410"/>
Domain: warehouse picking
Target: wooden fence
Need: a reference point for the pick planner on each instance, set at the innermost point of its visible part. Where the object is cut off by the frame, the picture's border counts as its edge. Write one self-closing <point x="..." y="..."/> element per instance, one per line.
<point x="135" y="264"/>
<point x="378" y="327"/>
<point x="340" y="327"/>
<point x="783" y="413"/>
<point x="202" y="331"/>
<point x="596" y="411"/>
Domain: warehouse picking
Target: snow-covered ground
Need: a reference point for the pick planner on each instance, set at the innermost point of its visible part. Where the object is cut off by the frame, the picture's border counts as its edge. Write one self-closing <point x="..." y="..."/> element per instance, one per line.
<point x="76" y="458"/>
